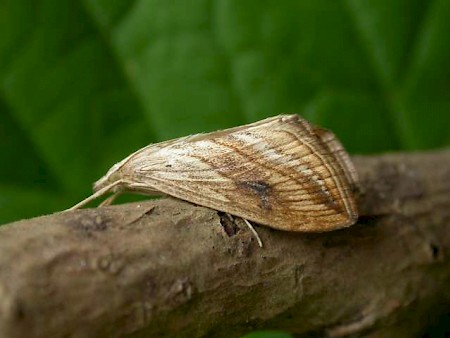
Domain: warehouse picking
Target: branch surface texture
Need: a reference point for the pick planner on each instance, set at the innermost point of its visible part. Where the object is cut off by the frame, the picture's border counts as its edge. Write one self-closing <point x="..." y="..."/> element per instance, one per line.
<point x="169" y="268"/>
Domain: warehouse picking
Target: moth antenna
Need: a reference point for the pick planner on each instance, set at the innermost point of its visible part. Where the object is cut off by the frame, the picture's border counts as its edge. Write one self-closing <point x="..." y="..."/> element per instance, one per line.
<point x="95" y="195"/>
<point x="252" y="229"/>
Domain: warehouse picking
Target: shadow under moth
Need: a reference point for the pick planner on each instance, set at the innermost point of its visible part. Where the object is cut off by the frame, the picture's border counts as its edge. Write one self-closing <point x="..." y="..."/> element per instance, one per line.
<point x="282" y="172"/>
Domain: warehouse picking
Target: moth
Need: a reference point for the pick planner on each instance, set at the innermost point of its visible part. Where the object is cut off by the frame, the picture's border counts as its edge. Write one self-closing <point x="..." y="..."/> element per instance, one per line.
<point x="282" y="172"/>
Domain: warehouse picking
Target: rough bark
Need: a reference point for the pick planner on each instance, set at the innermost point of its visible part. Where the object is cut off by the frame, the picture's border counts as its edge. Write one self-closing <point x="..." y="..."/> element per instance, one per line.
<point x="170" y="268"/>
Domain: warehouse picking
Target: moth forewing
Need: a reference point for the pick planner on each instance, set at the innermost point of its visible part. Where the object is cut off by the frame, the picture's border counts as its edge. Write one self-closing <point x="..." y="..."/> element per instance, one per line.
<point x="281" y="172"/>
<point x="336" y="148"/>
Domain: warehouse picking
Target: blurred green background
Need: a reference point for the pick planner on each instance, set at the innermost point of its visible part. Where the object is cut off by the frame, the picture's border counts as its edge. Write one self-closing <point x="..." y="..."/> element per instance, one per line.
<point x="84" y="83"/>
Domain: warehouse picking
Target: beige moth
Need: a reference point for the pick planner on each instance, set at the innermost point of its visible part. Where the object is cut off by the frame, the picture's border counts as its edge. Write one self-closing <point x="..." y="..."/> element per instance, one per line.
<point x="282" y="172"/>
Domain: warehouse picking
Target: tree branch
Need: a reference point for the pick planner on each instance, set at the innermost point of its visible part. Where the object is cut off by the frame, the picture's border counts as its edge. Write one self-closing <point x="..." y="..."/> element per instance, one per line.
<point x="170" y="268"/>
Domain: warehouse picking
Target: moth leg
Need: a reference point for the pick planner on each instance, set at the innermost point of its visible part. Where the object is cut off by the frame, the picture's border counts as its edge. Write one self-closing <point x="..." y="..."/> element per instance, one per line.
<point x="230" y="217"/>
<point x="252" y="229"/>
<point x="109" y="200"/>
<point x="250" y="226"/>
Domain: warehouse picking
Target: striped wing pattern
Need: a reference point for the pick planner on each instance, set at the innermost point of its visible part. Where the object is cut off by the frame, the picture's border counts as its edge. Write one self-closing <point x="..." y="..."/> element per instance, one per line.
<point x="282" y="172"/>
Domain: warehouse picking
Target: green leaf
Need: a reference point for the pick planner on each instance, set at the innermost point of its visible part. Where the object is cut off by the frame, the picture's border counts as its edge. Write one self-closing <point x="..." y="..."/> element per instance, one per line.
<point x="84" y="83"/>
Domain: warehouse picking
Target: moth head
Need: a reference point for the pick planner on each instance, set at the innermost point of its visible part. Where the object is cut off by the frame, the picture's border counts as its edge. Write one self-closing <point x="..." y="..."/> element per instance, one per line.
<point x="111" y="182"/>
<point x="112" y="176"/>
